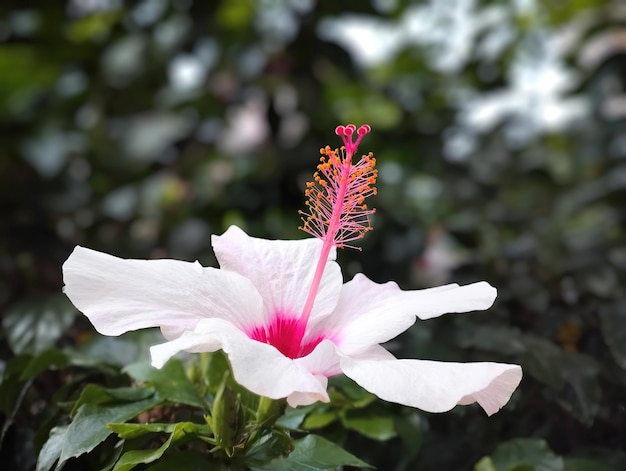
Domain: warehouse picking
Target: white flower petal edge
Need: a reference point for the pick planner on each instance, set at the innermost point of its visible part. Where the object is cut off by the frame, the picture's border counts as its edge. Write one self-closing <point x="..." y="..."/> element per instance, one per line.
<point x="281" y="270"/>
<point x="257" y="366"/>
<point x="435" y="386"/>
<point x="370" y="313"/>
<point x="119" y="295"/>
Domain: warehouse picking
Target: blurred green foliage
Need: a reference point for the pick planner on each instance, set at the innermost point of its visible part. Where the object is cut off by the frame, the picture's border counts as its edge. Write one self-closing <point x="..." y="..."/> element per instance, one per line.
<point x="140" y="128"/>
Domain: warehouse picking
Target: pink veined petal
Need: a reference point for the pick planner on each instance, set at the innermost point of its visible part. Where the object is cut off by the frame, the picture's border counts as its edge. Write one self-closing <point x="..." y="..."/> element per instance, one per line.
<point x="370" y="313"/>
<point x="281" y="270"/>
<point x="119" y="295"/>
<point x="256" y="366"/>
<point x="435" y="386"/>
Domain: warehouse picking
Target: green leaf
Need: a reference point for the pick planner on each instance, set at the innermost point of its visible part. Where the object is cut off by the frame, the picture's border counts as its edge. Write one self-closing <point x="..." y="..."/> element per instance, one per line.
<point x="35" y="325"/>
<point x="585" y="464"/>
<point x="269" y="446"/>
<point x="91" y="394"/>
<point x="613" y="325"/>
<point x="130" y="431"/>
<point x="51" y="450"/>
<point x="583" y="393"/>
<point x="89" y="427"/>
<point x="269" y="410"/>
<point x="47" y="359"/>
<point x="572" y="376"/>
<point x="319" y="420"/>
<point x="132" y="458"/>
<point x="13" y="369"/>
<point x="187" y="461"/>
<point x="294" y="416"/>
<point x="314" y="453"/>
<point x="499" y="339"/>
<point x="411" y="431"/>
<point x="126" y="349"/>
<point x="95" y="395"/>
<point x="522" y="454"/>
<point x="170" y="382"/>
<point x="485" y="464"/>
<point x="356" y="395"/>
<point x="379" y="428"/>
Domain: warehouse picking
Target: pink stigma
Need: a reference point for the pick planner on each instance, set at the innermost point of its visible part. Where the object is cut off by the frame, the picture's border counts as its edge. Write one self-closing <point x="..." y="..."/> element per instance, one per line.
<point x="346" y="132"/>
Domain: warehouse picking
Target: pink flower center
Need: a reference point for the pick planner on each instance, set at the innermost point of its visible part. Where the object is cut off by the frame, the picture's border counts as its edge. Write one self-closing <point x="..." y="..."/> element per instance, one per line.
<point x="283" y="333"/>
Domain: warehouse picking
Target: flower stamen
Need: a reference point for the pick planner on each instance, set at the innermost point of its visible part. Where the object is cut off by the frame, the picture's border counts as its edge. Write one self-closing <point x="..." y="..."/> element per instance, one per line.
<point x="335" y="198"/>
<point x="336" y="212"/>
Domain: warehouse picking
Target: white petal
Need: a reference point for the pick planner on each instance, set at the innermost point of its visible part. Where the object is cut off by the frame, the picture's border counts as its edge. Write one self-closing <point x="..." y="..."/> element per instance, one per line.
<point x="281" y="270"/>
<point x="188" y="341"/>
<point x="375" y="352"/>
<point x="492" y="398"/>
<point x="304" y="399"/>
<point x="436" y="386"/>
<point x="257" y="366"/>
<point x="369" y="313"/>
<point x="323" y="360"/>
<point x="119" y="295"/>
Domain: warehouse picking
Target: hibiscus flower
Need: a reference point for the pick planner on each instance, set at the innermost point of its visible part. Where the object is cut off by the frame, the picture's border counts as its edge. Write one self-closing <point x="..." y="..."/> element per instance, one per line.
<point x="280" y="311"/>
